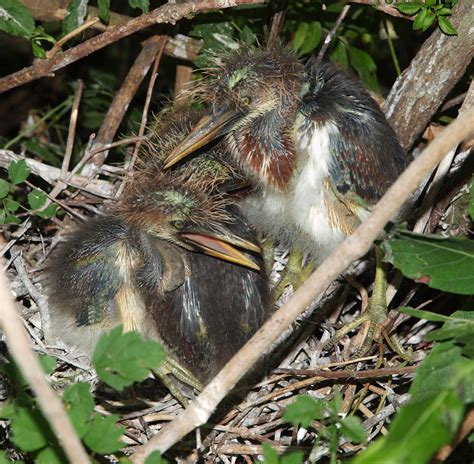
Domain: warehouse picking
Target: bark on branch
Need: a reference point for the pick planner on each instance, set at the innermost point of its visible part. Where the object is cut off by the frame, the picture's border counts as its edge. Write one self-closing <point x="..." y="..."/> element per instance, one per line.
<point x="421" y="89"/>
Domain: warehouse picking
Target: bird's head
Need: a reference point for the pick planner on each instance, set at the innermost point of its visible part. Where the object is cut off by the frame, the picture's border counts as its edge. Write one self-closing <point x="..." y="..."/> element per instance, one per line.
<point x="178" y="208"/>
<point x="167" y="130"/>
<point x="253" y="92"/>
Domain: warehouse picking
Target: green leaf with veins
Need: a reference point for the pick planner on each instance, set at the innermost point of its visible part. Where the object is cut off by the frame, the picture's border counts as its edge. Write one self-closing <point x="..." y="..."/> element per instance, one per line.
<point x="16" y="19"/>
<point x="443" y="263"/>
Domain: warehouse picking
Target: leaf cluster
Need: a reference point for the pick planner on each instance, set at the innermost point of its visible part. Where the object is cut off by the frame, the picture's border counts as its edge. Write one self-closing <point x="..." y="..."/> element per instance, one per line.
<point x="119" y="362"/>
<point x="36" y="199"/>
<point x="429" y="11"/>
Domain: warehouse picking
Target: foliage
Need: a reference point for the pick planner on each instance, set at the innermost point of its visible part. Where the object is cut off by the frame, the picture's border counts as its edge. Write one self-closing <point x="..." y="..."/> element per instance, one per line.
<point x="330" y="428"/>
<point x="118" y="358"/>
<point x="119" y="361"/>
<point x="37" y="200"/>
<point x="429" y="11"/>
<point x="443" y="263"/>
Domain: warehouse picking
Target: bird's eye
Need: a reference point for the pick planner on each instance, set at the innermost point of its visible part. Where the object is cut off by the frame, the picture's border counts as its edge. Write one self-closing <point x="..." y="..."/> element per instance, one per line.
<point x="246" y="100"/>
<point x="178" y="224"/>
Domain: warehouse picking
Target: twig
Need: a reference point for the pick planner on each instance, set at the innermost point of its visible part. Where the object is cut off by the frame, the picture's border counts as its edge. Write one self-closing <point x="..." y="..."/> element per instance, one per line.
<point x="146" y="106"/>
<point x="168" y="13"/>
<point x="351" y="249"/>
<point x="370" y="374"/>
<point x="58" y="45"/>
<point x="381" y="6"/>
<point x="328" y="39"/>
<point x="466" y="427"/>
<point x="19" y="345"/>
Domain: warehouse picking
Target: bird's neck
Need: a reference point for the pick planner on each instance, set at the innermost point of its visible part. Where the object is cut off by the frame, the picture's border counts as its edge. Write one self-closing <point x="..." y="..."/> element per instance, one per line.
<point x="265" y="148"/>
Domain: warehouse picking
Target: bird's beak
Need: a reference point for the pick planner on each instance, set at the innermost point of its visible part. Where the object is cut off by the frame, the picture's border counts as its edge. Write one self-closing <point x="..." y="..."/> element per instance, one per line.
<point x="208" y="128"/>
<point x="223" y="245"/>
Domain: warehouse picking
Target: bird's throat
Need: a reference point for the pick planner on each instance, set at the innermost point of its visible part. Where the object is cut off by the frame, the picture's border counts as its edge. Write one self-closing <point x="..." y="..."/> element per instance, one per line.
<point x="266" y="150"/>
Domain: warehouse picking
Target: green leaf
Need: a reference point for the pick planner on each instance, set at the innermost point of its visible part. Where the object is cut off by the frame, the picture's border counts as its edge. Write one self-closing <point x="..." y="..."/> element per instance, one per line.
<point x="18" y="171"/>
<point x="16" y="19"/>
<point x="119" y="358"/>
<point x="340" y="56"/>
<point x="104" y="6"/>
<point x="270" y="456"/>
<point x="305" y="410"/>
<point x="11" y="205"/>
<point x="445" y="368"/>
<point x="352" y="428"/>
<point x="11" y="219"/>
<point x="75" y="15"/>
<point x="36" y="199"/>
<point x="51" y="455"/>
<point x="312" y="38"/>
<point x="38" y="50"/>
<point x="144" y="5"/>
<point x="446" y="26"/>
<point x="3" y="216"/>
<point x="365" y="66"/>
<point x="408" y="8"/>
<point x="296" y="457"/>
<point x="427" y="315"/>
<point x="443" y="263"/>
<point x="417" y="432"/>
<point x="4" y="188"/>
<point x="471" y="202"/>
<point x="424" y="19"/>
<point x="300" y="35"/>
<point x="247" y="36"/>
<point x="48" y="363"/>
<point x="48" y="212"/>
<point x="155" y="458"/>
<point x="79" y="405"/>
<point x="103" y="435"/>
<point x="459" y="327"/>
<point x="30" y="431"/>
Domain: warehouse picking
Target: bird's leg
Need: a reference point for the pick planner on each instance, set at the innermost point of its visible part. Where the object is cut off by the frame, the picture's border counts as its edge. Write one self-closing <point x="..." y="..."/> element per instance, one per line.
<point x="268" y="249"/>
<point x="375" y="314"/>
<point x="170" y="366"/>
<point x="294" y="273"/>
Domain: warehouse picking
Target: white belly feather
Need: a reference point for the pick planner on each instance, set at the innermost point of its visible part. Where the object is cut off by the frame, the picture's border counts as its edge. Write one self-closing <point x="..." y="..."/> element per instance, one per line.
<point x="300" y="218"/>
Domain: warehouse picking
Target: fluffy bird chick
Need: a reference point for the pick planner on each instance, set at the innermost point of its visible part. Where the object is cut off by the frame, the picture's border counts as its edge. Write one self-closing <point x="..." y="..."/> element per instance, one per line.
<point x="150" y="264"/>
<point x="314" y="142"/>
<point x="311" y="137"/>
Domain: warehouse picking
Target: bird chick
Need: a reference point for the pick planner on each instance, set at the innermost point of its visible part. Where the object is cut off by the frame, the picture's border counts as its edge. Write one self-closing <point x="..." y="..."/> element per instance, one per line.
<point x="147" y="265"/>
<point x="312" y="139"/>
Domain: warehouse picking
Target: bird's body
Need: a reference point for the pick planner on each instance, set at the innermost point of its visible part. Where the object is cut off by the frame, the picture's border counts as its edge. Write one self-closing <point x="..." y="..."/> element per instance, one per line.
<point x="315" y="144"/>
<point x="150" y="264"/>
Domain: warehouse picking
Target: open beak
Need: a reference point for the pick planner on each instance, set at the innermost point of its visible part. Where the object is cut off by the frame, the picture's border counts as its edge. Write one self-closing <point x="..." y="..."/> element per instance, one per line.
<point x="207" y="129"/>
<point x="223" y="245"/>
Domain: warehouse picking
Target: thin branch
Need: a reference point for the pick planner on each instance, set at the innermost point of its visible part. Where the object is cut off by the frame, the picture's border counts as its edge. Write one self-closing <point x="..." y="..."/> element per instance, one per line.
<point x="146" y="106"/>
<point x="165" y="14"/>
<point x="466" y="428"/>
<point x="349" y="374"/>
<point x="351" y="249"/>
<point x="19" y="346"/>
<point x="382" y="6"/>
<point x="331" y="34"/>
